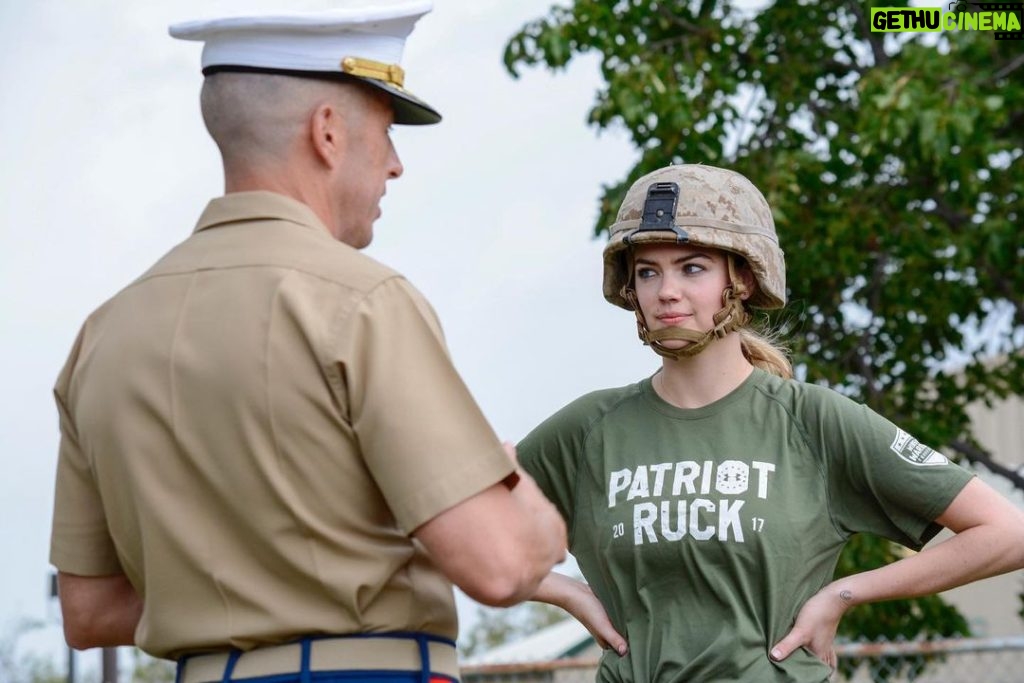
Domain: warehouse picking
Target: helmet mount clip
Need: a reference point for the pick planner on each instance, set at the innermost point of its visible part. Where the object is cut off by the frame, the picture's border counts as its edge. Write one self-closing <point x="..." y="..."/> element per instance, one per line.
<point x="659" y="212"/>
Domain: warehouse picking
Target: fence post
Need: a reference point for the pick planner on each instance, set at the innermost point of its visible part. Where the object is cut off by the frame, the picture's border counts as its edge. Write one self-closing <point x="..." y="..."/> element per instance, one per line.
<point x="110" y="665"/>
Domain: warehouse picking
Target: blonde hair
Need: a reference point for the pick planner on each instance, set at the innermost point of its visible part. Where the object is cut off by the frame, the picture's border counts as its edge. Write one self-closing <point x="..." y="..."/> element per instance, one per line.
<point x="765" y="352"/>
<point x="762" y="347"/>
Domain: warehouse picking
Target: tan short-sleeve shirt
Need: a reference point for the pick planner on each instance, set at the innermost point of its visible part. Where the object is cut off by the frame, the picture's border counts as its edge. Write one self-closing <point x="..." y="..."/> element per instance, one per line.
<point x="251" y="431"/>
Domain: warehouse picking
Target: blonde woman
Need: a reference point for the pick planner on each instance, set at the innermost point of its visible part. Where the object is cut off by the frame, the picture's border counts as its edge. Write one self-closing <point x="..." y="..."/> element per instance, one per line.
<point x="707" y="505"/>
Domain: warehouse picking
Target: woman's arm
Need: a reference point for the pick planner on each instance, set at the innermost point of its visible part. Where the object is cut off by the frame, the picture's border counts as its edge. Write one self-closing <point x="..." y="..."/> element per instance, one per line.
<point x="576" y="598"/>
<point x="988" y="540"/>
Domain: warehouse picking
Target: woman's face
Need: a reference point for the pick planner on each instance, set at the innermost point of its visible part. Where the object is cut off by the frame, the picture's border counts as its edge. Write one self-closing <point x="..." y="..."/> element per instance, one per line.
<point x="678" y="285"/>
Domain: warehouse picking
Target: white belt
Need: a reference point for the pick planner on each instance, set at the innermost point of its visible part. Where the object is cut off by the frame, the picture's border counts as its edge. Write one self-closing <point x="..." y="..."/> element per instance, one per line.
<point x="370" y="653"/>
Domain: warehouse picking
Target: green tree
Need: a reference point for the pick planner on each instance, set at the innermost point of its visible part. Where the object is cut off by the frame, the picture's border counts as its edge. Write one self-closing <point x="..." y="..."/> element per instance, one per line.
<point x="40" y="669"/>
<point x="147" y="669"/>
<point x="893" y="165"/>
<point x="496" y="626"/>
<point x="24" y="667"/>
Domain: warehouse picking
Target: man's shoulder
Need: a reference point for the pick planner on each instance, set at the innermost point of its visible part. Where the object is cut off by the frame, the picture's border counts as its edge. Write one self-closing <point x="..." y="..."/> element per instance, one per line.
<point x="273" y="243"/>
<point x="292" y="259"/>
<point x="341" y="264"/>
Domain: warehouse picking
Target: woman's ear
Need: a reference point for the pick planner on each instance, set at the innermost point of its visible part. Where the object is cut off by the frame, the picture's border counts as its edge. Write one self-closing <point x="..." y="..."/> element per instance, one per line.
<point x="746" y="276"/>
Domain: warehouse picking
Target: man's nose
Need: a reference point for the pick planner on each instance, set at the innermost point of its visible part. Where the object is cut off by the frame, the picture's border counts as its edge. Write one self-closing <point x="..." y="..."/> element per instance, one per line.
<point x="395" y="167"/>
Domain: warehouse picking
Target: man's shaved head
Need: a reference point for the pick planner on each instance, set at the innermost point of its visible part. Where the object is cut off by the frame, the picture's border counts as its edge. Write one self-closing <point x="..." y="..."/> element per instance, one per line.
<point x="257" y="119"/>
<point x="323" y="142"/>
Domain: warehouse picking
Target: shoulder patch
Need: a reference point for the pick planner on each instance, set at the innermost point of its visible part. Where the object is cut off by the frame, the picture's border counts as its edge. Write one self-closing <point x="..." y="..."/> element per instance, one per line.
<point x="915" y="452"/>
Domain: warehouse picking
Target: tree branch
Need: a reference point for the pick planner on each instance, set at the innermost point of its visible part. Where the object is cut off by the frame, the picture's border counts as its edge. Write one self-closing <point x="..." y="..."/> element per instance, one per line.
<point x="706" y="7"/>
<point x="1009" y="68"/>
<point x="955" y="219"/>
<point x="875" y="40"/>
<point x="1013" y="125"/>
<point x="680" y="39"/>
<point x="980" y="457"/>
<point x="1009" y="291"/>
<point x="854" y="65"/>
<point x="679" y="21"/>
<point x="867" y="370"/>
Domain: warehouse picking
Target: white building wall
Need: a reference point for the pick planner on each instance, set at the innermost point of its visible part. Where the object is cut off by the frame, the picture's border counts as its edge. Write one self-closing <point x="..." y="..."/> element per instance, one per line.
<point x="991" y="606"/>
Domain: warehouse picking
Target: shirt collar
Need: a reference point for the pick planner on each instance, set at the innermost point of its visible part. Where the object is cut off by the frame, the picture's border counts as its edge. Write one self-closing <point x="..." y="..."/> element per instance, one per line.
<point x="257" y="205"/>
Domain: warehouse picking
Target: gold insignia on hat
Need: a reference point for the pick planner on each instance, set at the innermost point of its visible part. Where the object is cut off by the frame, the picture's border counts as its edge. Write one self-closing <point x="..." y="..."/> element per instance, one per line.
<point x="378" y="71"/>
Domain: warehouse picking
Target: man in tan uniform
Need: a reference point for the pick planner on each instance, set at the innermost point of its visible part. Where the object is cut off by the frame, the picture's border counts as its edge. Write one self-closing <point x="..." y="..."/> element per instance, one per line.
<point x="268" y="465"/>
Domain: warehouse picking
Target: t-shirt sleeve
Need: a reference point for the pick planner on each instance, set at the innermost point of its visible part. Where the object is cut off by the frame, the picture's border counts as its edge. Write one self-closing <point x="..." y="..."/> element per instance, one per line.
<point x="425" y="441"/>
<point x="80" y="541"/>
<point x="881" y="479"/>
<point x="550" y="454"/>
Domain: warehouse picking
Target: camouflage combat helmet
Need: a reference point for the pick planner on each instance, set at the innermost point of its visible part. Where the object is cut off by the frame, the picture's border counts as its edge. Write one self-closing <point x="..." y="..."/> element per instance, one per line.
<point x="701" y="206"/>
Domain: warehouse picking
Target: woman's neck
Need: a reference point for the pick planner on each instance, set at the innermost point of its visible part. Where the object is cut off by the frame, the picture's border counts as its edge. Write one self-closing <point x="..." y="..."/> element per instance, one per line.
<point x="705" y="378"/>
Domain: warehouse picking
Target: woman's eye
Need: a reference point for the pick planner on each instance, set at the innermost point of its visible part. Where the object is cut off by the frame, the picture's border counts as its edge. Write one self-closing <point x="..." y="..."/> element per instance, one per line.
<point x="692" y="268"/>
<point x="644" y="273"/>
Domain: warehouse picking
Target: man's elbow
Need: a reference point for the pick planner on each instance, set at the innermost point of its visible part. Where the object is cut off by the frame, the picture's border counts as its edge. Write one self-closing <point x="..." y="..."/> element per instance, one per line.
<point x="504" y="586"/>
<point x="83" y="634"/>
<point x="508" y="575"/>
<point x="79" y="632"/>
<point x="497" y="547"/>
<point x="98" y="611"/>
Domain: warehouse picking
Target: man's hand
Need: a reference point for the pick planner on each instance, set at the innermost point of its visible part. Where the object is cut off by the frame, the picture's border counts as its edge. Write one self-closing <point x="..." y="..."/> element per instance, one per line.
<point x="498" y="545"/>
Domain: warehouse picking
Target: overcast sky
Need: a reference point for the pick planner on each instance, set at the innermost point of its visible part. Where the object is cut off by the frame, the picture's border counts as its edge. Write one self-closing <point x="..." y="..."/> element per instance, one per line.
<point x="106" y="165"/>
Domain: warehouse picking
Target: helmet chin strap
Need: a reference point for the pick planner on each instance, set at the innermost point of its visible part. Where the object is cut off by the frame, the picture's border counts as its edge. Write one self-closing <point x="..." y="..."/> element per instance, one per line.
<point x="731" y="317"/>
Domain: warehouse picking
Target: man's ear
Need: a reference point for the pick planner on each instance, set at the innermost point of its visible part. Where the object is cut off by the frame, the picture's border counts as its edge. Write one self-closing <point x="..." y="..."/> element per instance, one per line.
<point x="327" y="133"/>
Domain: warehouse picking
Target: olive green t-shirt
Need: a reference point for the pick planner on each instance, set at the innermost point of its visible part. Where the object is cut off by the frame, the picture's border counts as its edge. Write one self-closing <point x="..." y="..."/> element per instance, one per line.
<point x="704" y="531"/>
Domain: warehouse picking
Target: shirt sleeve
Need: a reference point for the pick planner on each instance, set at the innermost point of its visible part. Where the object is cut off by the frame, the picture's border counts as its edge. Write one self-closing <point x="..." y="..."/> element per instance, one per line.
<point x="80" y="541"/>
<point x="550" y="454"/>
<point x="425" y="441"/>
<point x="881" y="479"/>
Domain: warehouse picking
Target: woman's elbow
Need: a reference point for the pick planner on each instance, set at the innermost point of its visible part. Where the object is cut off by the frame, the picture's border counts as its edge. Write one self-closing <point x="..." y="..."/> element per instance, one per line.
<point x="1016" y="545"/>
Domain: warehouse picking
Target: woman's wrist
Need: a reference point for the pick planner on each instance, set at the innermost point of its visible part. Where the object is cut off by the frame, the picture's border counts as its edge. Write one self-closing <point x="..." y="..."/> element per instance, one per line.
<point x="844" y="593"/>
<point x="556" y="590"/>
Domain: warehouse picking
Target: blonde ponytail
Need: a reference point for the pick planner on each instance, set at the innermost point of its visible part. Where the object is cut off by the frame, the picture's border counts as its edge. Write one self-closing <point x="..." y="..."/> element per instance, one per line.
<point x="765" y="353"/>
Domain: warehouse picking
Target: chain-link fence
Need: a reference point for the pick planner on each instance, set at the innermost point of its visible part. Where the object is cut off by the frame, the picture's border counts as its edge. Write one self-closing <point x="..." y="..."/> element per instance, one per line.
<point x="958" y="660"/>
